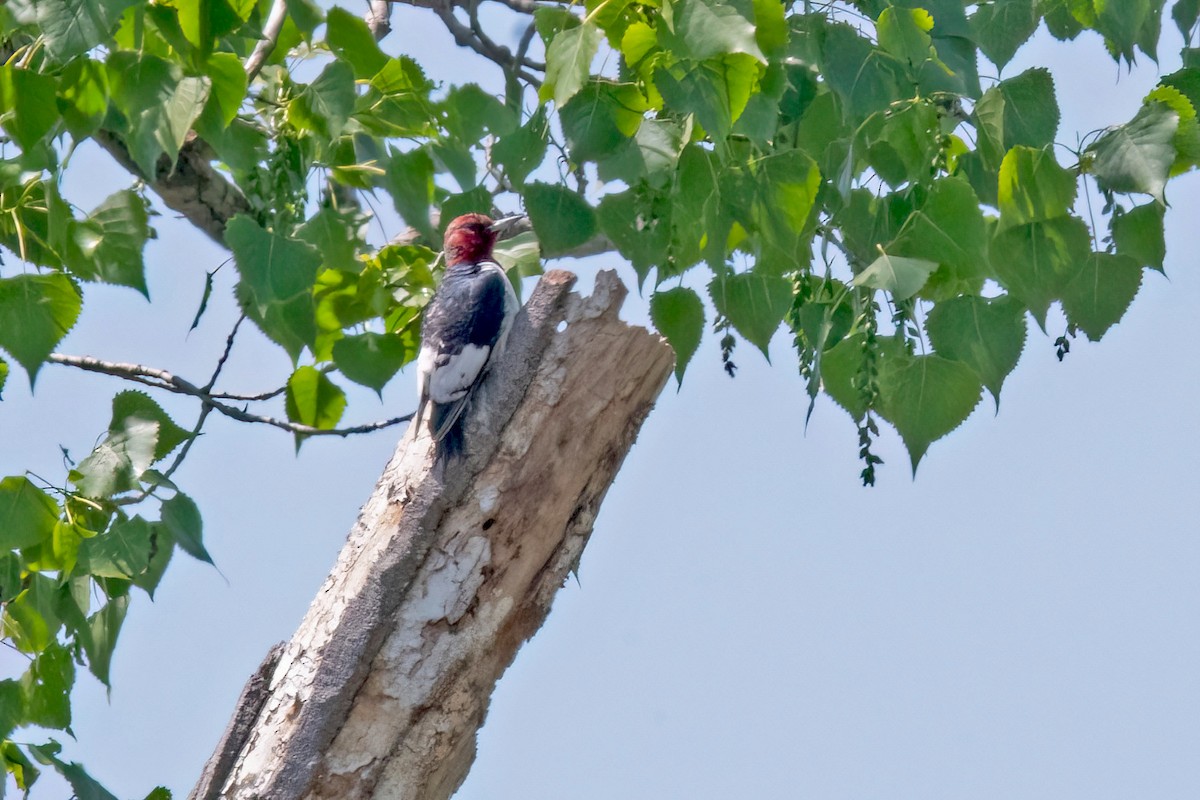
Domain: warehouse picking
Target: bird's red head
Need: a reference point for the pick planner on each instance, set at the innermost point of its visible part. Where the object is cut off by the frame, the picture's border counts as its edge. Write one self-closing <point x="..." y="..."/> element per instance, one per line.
<point x="469" y="239"/>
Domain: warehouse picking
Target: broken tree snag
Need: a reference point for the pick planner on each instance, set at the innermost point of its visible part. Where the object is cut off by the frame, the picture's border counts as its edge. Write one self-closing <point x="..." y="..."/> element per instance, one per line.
<point x="450" y="570"/>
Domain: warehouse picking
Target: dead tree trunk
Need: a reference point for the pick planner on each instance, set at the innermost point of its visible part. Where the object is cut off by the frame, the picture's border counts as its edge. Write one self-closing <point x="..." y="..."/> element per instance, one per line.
<point x="449" y="571"/>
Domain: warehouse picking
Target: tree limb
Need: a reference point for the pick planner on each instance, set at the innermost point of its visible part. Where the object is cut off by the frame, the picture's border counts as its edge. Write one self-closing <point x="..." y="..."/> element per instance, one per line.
<point x="162" y="379"/>
<point x="451" y="567"/>
<point x="266" y="45"/>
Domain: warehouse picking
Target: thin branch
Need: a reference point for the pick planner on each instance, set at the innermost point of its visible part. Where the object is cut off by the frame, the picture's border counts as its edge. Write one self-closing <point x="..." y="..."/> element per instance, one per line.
<point x="472" y="7"/>
<point x="266" y="45"/>
<point x="497" y="54"/>
<point x="224" y="354"/>
<point x="162" y="379"/>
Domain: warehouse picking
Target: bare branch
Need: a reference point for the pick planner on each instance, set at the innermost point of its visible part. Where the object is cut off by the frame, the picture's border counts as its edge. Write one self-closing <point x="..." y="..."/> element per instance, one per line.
<point x="464" y="36"/>
<point x="266" y="45"/>
<point x="162" y="379"/>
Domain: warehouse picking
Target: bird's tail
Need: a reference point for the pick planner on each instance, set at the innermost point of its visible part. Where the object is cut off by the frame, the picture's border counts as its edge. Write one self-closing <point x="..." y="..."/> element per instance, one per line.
<point x="446" y="422"/>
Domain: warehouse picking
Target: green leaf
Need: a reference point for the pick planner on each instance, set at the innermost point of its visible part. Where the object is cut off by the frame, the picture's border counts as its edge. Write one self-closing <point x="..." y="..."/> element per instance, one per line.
<point x="1002" y="26"/>
<point x="652" y="153"/>
<point x="410" y="182"/>
<point x="83" y="785"/>
<point x="1036" y="261"/>
<point x="134" y="405"/>
<point x="83" y="96"/>
<point x="1185" y="14"/>
<point x="273" y="267"/>
<point x="31" y="619"/>
<point x="905" y="33"/>
<point x="36" y="311"/>
<point x="47" y="687"/>
<point x="1138" y="234"/>
<point x="313" y="399"/>
<point x="27" y="514"/>
<point x="325" y="104"/>
<point x="901" y="277"/>
<point x="351" y="40"/>
<point x="228" y="78"/>
<point x="123" y="551"/>
<point x="569" y="62"/>
<point x="716" y="91"/>
<point x="1137" y="156"/>
<point x="101" y="640"/>
<point x="110" y="242"/>
<point x="639" y="226"/>
<point x="754" y="303"/>
<point x="27" y="107"/>
<point x="372" y="359"/>
<point x="678" y="314"/>
<point x="1100" y="294"/>
<point x="12" y="712"/>
<point x="600" y="118"/>
<point x="117" y="463"/>
<point x="926" y="397"/>
<point x="3" y="376"/>
<point x="520" y="256"/>
<point x="24" y="773"/>
<point x="160" y="104"/>
<point x="866" y="78"/>
<point x="468" y="112"/>
<point x="336" y="236"/>
<point x="986" y="335"/>
<point x="521" y="151"/>
<point x="1020" y="111"/>
<point x="841" y="366"/>
<point x="707" y="28"/>
<point x="1033" y="187"/>
<point x="72" y="27"/>
<point x="562" y="219"/>
<point x="948" y="229"/>
<point x="181" y="519"/>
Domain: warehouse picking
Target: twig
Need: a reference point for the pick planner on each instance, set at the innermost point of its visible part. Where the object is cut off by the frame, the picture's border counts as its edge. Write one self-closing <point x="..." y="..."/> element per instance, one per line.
<point x="497" y="54"/>
<point x="266" y="45"/>
<point x="162" y="379"/>
<point x="224" y="354"/>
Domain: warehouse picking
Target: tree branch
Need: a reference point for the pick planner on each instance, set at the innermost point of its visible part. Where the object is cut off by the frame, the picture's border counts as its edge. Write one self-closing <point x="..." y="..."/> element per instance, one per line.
<point x="464" y="36"/>
<point x="162" y="379"/>
<point x="379" y="18"/>
<point x="266" y="45"/>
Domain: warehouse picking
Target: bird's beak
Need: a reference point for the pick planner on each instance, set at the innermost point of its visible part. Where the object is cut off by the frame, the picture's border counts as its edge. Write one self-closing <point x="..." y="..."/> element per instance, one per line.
<point x="507" y="227"/>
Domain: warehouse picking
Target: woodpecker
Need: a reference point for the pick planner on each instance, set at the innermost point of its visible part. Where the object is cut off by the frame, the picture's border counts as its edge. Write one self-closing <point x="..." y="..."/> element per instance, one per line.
<point x="464" y="329"/>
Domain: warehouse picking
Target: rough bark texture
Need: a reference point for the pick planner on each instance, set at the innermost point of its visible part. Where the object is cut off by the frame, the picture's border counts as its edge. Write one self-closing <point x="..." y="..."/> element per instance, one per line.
<point x="450" y="568"/>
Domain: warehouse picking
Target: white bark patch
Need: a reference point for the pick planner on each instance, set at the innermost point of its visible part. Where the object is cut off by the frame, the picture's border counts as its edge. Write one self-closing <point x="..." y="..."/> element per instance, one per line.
<point x="487" y="498"/>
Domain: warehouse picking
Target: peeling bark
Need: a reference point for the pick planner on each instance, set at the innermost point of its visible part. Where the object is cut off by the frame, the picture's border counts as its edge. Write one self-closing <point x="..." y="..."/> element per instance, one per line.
<point x="451" y="568"/>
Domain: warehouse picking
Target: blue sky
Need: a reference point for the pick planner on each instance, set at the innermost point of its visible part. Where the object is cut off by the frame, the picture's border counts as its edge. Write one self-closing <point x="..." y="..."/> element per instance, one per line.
<point x="1021" y="620"/>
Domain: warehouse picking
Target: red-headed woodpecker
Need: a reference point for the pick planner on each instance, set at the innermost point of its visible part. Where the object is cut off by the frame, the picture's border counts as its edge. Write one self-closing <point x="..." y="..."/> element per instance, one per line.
<point x="465" y="328"/>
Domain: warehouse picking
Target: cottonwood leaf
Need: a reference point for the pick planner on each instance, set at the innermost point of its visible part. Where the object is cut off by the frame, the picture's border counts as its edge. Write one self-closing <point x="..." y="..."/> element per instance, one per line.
<point x="27" y="514"/>
<point x="373" y="359"/>
<point x="103" y="629"/>
<point x="901" y="277"/>
<point x="1137" y="156"/>
<point x="1036" y="261"/>
<point x="561" y="218"/>
<point x="117" y="463"/>
<point x="707" y="28"/>
<point x="1002" y="26"/>
<point x="27" y="105"/>
<point x="569" y="62"/>
<point x="926" y="397"/>
<point x="754" y="303"/>
<point x="1138" y="233"/>
<point x="986" y="335"/>
<point x="47" y="687"/>
<point x="111" y="240"/>
<point x="72" y="27"/>
<point x="313" y="399"/>
<point x="351" y="40"/>
<point x="36" y="311"/>
<point x="1033" y="187"/>
<point x="678" y="314"/>
<point x="325" y="104"/>
<point x="274" y="268"/>
<point x="181" y="519"/>
<point x="136" y="405"/>
<point x="1101" y="293"/>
